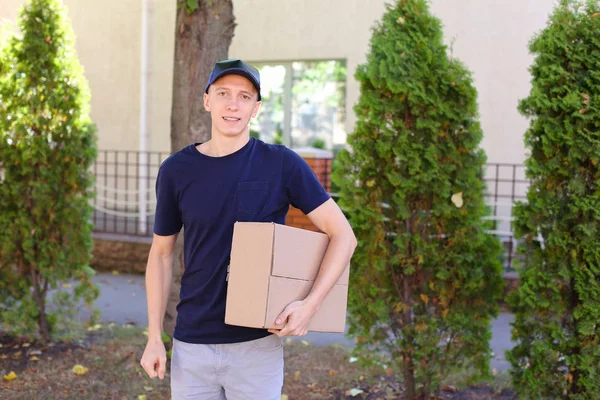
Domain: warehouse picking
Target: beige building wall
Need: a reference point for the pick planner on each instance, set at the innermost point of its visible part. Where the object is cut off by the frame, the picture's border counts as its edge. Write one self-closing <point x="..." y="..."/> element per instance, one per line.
<point x="108" y="44"/>
<point x="489" y="36"/>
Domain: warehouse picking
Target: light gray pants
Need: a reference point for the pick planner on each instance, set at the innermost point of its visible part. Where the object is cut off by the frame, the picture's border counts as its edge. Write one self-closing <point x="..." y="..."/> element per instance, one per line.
<point x="235" y="371"/>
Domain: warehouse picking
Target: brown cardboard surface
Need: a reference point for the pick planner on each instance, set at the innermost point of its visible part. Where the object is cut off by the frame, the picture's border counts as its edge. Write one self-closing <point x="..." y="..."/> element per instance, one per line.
<point x="250" y="269"/>
<point x="291" y="258"/>
<point x="331" y="316"/>
<point x="267" y="260"/>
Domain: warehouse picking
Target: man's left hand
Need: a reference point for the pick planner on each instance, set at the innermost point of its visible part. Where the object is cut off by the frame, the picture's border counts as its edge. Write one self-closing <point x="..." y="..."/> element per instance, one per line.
<point x="295" y="319"/>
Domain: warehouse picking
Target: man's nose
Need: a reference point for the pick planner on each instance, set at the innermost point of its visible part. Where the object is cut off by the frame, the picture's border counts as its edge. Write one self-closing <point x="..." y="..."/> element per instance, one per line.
<point x="233" y="104"/>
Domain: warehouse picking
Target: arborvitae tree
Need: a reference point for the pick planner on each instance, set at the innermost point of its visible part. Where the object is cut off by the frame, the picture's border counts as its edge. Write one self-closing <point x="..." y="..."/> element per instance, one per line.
<point x="426" y="277"/>
<point x="47" y="145"/>
<point x="557" y="306"/>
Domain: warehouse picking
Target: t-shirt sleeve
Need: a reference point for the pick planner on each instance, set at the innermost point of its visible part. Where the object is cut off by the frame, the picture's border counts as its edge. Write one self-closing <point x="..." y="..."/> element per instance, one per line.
<point x="167" y="220"/>
<point x="303" y="189"/>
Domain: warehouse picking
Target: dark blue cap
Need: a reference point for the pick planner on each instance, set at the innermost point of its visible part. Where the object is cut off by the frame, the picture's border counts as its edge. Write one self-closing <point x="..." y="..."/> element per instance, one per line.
<point x="235" y="67"/>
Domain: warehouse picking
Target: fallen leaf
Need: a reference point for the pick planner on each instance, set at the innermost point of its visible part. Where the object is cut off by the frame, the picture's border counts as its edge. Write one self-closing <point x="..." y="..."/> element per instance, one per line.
<point x="332" y="373"/>
<point x="449" y="388"/>
<point x="35" y="352"/>
<point x="94" y="328"/>
<point x="26" y="345"/>
<point x="33" y="358"/>
<point x="425" y="298"/>
<point x="352" y="359"/>
<point x="586" y="98"/>
<point x="304" y="342"/>
<point x="371" y="183"/>
<point x="582" y="111"/>
<point x="66" y="285"/>
<point x="360" y="378"/>
<point x="115" y="272"/>
<point x="389" y="371"/>
<point x="80" y="370"/>
<point x="297" y="375"/>
<point x="354" y="392"/>
<point x="11" y="375"/>
<point x="400" y="20"/>
<point x="596" y="15"/>
<point x="148" y="388"/>
<point x="142" y="397"/>
<point x="457" y="199"/>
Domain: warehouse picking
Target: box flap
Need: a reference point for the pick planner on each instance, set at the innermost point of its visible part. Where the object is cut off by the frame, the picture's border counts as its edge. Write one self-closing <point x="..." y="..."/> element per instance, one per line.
<point x="249" y="271"/>
<point x="331" y="317"/>
<point x="297" y="253"/>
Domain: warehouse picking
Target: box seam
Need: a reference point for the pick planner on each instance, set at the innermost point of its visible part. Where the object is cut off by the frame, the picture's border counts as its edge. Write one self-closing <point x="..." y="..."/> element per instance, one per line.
<point x="270" y="273"/>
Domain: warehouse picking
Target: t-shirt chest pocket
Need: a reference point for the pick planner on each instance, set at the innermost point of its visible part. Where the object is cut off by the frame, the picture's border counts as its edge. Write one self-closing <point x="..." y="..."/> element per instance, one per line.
<point x="252" y="197"/>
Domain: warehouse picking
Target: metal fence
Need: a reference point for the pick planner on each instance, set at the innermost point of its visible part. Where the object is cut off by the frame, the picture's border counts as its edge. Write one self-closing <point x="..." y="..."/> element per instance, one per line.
<point x="506" y="183"/>
<point x="125" y="195"/>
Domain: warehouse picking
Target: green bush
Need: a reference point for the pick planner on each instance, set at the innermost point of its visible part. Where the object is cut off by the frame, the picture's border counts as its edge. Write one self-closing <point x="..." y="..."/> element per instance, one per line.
<point x="557" y="305"/>
<point x="318" y="143"/>
<point x="47" y="145"/>
<point x="426" y="276"/>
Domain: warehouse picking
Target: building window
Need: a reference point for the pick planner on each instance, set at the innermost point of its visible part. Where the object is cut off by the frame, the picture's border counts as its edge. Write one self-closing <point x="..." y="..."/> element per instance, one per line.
<point x="303" y="104"/>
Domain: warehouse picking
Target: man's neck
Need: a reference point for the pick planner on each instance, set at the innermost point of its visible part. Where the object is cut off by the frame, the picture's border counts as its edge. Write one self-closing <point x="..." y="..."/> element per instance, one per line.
<point x="220" y="146"/>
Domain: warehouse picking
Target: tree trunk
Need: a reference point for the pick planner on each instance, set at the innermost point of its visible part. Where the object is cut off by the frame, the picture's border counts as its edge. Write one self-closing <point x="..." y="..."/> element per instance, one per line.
<point x="39" y="295"/>
<point x="407" y="358"/>
<point x="201" y="39"/>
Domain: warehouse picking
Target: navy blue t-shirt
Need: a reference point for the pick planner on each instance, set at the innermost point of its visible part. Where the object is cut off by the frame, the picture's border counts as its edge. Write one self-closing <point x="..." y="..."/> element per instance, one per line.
<point x="207" y="195"/>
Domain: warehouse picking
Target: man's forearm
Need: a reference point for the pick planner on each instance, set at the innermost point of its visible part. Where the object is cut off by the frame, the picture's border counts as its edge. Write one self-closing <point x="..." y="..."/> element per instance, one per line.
<point x="334" y="263"/>
<point x="158" y="283"/>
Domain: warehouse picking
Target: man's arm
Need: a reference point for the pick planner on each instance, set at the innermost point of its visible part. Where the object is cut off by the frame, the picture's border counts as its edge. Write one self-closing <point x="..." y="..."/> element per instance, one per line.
<point x="158" y="282"/>
<point x="328" y="218"/>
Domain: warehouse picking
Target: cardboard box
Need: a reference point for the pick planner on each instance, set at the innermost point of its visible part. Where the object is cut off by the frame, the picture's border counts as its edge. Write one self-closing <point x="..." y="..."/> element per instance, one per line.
<point x="273" y="265"/>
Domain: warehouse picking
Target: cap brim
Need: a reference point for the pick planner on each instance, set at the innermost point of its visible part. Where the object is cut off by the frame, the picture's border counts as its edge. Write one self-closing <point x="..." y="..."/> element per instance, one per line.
<point x="240" y="72"/>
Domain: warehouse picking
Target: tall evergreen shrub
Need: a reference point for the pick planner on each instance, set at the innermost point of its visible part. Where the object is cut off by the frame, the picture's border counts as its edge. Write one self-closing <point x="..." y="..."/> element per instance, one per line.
<point x="557" y="306"/>
<point x="426" y="276"/>
<point x="47" y="145"/>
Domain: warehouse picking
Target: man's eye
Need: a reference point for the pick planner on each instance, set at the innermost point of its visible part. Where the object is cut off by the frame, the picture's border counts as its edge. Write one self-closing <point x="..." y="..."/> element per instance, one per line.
<point x="246" y="97"/>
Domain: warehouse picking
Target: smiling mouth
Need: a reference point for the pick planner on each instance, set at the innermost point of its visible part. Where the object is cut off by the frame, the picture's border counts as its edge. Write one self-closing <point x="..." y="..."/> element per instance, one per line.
<point x="231" y="119"/>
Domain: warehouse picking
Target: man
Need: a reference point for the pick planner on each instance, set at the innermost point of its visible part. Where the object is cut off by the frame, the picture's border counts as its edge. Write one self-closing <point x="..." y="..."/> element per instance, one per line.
<point x="207" y="187"/>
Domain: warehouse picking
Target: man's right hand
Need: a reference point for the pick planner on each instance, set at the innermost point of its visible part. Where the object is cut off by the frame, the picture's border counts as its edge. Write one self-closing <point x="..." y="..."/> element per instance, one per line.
<point x="154" y="359"/>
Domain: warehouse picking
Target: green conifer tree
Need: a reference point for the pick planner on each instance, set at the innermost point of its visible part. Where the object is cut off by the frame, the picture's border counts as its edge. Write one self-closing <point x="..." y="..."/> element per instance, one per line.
<point x="47" y="145"/>
<point x="557" y="306"/>
<point x="426" y="276"/>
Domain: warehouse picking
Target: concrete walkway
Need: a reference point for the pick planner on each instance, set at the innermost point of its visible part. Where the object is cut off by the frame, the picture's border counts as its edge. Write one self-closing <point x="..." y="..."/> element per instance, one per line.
<point x="123" y="300"/>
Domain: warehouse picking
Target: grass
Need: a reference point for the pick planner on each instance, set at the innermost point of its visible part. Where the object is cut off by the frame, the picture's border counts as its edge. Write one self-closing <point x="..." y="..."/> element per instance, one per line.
<point x="112" y="353"/>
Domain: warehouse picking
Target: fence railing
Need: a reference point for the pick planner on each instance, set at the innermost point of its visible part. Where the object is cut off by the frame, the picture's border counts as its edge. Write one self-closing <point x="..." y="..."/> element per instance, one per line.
<point x="125" y="194"/>
<point x="125" y="191"/>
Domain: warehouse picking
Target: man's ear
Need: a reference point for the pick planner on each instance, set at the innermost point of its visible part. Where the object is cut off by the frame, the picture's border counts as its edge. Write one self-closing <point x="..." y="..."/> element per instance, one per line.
<point x="256" y="108"/>
<point x="206" y="102"/>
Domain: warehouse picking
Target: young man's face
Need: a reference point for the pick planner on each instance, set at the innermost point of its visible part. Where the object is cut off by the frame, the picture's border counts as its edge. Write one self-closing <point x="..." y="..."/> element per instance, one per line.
<point x="231" y="100"/>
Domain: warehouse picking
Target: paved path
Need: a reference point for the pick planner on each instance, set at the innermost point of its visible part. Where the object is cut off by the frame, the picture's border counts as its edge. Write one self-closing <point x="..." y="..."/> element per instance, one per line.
<point x="123" y="300"/>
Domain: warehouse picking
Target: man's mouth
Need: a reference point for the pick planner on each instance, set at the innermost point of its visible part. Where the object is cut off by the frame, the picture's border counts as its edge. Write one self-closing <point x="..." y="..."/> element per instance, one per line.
<point x="231" y="119"/>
